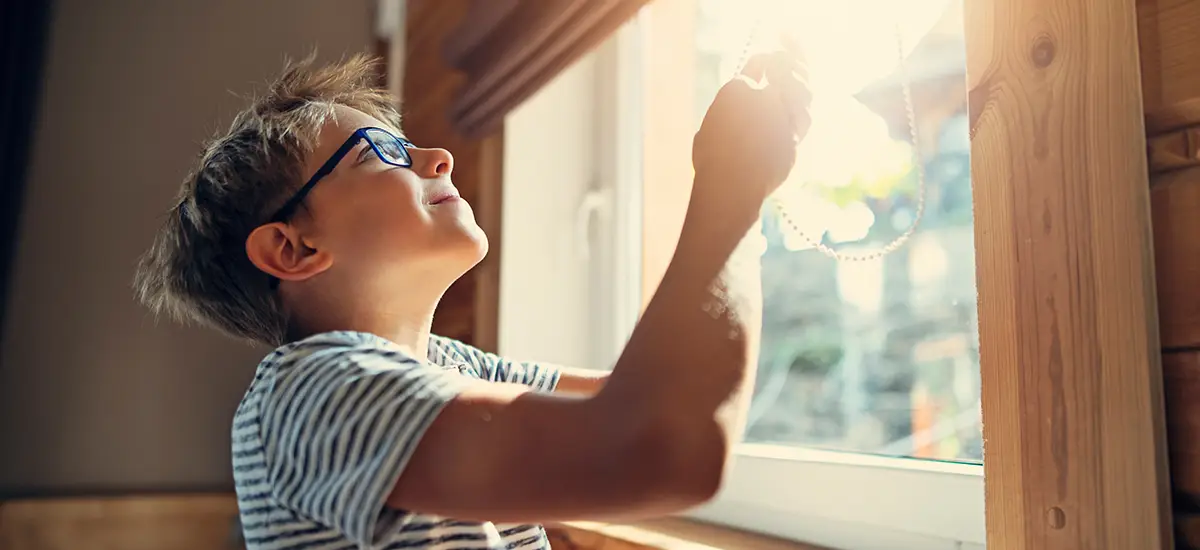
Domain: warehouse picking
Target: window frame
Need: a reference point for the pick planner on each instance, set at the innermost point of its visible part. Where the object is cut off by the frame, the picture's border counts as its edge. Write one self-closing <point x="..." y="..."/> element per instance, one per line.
<point x="912" y="504"/>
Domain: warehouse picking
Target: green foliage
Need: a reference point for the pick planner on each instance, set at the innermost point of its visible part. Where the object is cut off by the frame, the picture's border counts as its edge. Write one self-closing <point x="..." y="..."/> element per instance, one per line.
<point x="890" y="173"/>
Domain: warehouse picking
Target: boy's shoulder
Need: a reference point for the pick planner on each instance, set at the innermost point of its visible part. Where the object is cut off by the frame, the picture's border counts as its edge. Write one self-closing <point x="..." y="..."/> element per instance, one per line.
<point x="327" y="360"/>
<point x="441" y="351"/>
<point x="353" y="355"/>
<point x="326" y="344"/>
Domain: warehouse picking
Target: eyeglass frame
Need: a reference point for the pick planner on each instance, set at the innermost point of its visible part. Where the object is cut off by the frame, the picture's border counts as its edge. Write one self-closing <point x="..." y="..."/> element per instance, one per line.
<point x="286" y="211"/>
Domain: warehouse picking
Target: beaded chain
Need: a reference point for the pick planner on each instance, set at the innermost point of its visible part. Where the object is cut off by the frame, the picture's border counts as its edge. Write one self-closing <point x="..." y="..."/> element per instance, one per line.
<point x="723" y="304"/>
<point x="906" y="86"/>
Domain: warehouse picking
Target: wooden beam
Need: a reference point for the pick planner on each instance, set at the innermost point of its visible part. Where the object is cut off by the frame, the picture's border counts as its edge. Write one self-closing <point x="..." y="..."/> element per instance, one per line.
<point x="143" y="522"/>
<point x="489" y="208"/>
<point x="662" y="534"/>
<point x="511" y="49"/>
<point x="1075" y="453"/>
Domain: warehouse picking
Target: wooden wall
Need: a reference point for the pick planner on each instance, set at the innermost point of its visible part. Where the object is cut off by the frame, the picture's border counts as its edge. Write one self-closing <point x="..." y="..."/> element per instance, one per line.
<point x="149" y="522"/>
<point x="1169" y="36"/>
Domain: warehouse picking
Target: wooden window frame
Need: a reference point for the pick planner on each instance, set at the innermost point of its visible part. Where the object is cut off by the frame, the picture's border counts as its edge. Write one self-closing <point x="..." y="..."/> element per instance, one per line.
<point x="1072" y="375"/>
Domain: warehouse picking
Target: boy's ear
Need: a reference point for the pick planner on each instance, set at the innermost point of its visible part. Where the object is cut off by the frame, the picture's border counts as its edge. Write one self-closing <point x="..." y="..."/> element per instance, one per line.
<point x="279" y="250"/>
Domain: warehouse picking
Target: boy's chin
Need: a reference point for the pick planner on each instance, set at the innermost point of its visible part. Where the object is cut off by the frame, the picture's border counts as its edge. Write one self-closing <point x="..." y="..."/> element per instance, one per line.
<point x="467" y="248"/>
<point x="480" y="248"/>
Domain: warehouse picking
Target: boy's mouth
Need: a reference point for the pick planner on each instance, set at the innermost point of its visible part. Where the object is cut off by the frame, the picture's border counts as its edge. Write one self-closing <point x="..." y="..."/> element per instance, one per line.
<point x="443" y="195"/>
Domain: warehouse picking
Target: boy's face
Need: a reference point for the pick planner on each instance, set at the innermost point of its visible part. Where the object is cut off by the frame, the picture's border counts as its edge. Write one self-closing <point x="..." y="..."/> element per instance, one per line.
<point x="381" y="223"/>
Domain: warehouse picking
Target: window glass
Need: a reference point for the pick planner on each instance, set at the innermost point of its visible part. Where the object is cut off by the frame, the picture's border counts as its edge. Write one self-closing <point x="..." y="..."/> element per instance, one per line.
<point x="877" y="356"/>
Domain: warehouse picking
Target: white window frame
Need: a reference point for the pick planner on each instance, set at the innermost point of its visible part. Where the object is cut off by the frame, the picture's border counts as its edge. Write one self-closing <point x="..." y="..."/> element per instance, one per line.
<point x="620" y="108"/>
<point x="832" y="499"/>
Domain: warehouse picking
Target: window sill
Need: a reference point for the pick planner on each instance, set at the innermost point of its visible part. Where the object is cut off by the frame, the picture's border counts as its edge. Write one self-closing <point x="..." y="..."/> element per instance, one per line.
<point x="662" y="534"/>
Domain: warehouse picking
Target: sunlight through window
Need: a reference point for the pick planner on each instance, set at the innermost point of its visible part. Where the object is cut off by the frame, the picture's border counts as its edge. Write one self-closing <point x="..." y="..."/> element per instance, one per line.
<point x="879" y="356"/>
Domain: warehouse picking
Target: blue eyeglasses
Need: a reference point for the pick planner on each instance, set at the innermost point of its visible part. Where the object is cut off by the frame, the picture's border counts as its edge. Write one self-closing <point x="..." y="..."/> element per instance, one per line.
<point x="390" y="149"/>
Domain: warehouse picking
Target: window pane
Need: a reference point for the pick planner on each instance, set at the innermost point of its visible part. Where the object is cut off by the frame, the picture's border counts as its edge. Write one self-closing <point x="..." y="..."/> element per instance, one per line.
<point x="876" y="356"/>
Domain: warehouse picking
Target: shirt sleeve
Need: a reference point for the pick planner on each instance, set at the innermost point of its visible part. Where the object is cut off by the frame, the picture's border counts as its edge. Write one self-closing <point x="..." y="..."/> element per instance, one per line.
<point x="539" y="376"/>
<point x="339" y="428"/>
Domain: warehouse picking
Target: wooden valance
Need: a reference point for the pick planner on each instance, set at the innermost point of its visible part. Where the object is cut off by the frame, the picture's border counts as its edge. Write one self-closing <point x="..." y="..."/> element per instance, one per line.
<point x="508" y="49"/>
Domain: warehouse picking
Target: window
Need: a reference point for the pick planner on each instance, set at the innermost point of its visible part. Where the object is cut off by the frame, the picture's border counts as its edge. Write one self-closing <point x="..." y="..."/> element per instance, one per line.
<point x="865" y="425"/>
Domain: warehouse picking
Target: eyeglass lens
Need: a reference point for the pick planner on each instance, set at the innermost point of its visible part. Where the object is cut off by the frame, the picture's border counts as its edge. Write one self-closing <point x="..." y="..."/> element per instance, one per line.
<point x="390" y="147"/>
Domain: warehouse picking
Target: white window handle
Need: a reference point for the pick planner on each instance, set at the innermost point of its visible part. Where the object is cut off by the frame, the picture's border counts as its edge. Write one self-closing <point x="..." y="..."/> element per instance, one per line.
<point x="595" y="203"/>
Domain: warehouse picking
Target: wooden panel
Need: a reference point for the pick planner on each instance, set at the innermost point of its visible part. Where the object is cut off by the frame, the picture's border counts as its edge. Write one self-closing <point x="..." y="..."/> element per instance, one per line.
<point x="662" y="534"/>
<point x="1072" y="381"/>
<point x="510" y="49"/>
<point x="1181" y="377"/>
<point x="1176" y="215"/>
<point x="469" y="309"/>
<point x="178" y="522"/>
<point x="1174" y="150"/>
<point x="1169" y="37"/>
<point x="1169" y="33"/>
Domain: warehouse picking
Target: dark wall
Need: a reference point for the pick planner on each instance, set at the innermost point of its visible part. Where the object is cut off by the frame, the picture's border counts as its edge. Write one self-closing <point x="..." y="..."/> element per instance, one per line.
<point x="94" y="395"/>
<point x="24" y="27"/>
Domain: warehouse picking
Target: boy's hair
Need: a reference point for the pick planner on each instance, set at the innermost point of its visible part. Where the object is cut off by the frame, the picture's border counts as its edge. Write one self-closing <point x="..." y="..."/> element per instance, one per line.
<point x="197" y="269"/>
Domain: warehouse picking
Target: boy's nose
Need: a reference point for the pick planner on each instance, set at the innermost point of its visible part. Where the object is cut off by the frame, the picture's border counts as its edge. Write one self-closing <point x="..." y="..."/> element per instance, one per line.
<point x="433" y="163"/>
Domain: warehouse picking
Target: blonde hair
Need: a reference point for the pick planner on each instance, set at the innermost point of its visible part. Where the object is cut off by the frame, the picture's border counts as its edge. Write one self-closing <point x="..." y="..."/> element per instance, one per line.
<point x="197" y="270"/>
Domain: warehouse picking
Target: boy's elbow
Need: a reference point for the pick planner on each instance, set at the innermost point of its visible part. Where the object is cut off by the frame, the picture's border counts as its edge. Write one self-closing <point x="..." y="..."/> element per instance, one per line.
<point x="683" y="463"/>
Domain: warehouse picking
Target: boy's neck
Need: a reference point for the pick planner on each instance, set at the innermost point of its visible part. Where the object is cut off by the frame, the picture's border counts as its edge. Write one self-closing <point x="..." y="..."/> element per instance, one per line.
<point x="404" y="320"/>
<point x="412" y="334"/>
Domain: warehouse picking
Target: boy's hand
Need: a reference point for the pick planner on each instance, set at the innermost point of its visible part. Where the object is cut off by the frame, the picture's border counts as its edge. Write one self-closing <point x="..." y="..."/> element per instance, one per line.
<point x="746" y="146"/>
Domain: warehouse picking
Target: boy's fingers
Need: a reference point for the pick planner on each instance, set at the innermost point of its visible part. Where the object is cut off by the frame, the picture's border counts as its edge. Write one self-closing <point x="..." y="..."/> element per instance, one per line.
<point x="790" y="78"/>
<point x="739" y="87"/>
<point x="792" y="46"/>
<point x="756" y="67"/>
<point x="800" y="71"/>
<point x="747" y="81"/>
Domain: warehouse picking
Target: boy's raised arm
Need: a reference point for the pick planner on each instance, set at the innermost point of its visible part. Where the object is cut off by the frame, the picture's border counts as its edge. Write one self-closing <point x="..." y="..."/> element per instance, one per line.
<point x="657" y="437"/>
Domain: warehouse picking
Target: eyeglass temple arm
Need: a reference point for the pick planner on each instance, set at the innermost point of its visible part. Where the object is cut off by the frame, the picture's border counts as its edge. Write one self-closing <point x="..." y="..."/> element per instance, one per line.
<point x="323" y="171"/>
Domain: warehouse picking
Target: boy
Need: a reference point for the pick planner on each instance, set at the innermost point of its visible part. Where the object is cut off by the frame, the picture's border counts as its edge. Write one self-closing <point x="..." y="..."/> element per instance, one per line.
<point x="314" y="225"/>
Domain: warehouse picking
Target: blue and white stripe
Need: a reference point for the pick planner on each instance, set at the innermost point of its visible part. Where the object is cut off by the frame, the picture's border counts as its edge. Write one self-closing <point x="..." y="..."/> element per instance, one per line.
<point x="325" y="430"/>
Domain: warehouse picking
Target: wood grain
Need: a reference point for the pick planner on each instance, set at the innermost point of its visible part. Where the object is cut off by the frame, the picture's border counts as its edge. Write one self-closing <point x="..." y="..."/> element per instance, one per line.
<point x="509" y="50"/>
<point x="178" y="522"/>
<point x="1175" y="200"/>
<point x="1075" y="453"/>
<point x="1169" y="37"/>
<point x="662" y="534"/>
<point x="1181" y="378"/>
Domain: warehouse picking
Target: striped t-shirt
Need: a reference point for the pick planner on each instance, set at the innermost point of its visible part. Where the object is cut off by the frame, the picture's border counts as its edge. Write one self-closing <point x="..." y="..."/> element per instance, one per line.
<point x="326" y="428"/>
